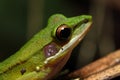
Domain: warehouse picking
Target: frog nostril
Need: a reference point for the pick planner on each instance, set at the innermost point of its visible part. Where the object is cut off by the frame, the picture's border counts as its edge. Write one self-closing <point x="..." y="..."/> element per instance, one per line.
<point x="85" y="20"/>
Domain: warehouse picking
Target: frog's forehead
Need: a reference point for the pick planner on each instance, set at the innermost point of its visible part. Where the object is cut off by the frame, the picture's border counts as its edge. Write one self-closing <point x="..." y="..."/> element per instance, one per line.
<point x="56" y="19"/>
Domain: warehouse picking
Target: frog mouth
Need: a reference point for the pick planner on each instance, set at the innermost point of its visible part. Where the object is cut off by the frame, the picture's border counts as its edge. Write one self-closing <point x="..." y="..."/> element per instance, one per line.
<point x="75" y="39"/>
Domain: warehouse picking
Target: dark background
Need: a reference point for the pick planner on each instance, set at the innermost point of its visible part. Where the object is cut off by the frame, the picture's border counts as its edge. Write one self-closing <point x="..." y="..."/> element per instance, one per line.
<point x="20" y="19"/>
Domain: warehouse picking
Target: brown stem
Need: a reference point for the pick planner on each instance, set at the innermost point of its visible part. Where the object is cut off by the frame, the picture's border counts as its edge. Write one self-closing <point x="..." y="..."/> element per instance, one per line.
<point x="109" y="63"/>
<point x="106" y="74"/>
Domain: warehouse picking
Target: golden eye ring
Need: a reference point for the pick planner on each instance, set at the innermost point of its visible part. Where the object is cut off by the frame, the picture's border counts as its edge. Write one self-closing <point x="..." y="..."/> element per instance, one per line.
<point x="63" y="32"/>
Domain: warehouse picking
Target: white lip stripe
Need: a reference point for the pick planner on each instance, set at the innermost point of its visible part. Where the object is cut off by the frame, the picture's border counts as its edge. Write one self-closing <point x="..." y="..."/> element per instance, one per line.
<point x="69" y="44"/>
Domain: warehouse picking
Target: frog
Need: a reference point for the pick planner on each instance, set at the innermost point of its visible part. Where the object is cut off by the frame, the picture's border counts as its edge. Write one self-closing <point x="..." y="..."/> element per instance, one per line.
<point x="46" y="53"/>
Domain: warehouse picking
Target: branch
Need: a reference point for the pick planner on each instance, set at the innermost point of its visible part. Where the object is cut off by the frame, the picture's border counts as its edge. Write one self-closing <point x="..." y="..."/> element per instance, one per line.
<point x="105" y="68"/>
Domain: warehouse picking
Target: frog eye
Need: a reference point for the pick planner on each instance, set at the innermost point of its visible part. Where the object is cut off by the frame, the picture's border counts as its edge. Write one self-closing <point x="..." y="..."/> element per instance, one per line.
<point x="63" y="32"/>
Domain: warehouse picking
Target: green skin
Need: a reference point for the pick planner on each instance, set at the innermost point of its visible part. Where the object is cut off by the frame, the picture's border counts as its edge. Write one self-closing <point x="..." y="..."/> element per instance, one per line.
<point x="30" y="62"/>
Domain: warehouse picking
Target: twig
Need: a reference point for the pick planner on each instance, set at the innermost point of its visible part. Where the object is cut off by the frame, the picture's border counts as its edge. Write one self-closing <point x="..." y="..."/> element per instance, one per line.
<point x="108" y="66"/>
<point x="106" y="74"/>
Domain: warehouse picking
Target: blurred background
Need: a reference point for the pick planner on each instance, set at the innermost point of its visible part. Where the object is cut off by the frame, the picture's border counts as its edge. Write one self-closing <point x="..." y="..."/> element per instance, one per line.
<point x="21" y="19"/>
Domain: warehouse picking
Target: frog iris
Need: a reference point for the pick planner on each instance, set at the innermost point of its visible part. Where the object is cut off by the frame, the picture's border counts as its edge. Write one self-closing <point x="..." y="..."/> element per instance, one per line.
<point x="63" y="32"/>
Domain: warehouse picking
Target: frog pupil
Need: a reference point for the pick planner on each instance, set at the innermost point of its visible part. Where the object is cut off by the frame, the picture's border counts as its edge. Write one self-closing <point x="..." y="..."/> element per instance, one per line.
<point x="65" y="33"/>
